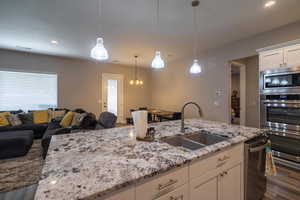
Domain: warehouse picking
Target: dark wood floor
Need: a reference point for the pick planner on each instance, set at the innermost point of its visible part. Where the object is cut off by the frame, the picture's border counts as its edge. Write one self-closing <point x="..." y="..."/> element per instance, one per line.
<point x="284" y="186"/>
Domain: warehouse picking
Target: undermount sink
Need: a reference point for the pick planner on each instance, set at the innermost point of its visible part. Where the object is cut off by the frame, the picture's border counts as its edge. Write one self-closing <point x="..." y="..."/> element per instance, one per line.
<point x="194" y="141"/>
<point x="181" y="141"/>
<point x="205" y="138"/>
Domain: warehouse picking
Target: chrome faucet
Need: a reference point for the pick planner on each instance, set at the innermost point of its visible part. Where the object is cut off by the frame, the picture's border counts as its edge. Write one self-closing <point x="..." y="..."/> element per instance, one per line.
<point x="182" y="113"/>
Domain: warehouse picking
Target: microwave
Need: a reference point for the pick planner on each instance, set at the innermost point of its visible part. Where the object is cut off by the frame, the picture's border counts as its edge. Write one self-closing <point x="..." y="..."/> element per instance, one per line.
<point x="280" y="81"/>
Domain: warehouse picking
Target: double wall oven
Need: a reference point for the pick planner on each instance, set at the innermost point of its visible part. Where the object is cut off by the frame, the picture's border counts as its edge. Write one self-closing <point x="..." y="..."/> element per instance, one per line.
<point x="280" y="113"/>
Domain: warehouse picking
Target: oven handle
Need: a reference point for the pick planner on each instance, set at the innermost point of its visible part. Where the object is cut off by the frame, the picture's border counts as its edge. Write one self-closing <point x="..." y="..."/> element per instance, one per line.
<point x="284" y="134"/>
<point x="257" y="149"/>
<point x="283" y="105"/>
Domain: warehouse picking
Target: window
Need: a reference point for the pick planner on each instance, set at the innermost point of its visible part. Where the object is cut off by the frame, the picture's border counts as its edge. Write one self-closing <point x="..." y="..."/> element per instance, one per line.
<point x="27" y="91"/>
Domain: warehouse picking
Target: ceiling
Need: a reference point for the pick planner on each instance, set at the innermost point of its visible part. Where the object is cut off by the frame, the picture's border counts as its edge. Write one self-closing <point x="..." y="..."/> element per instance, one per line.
<point x="127" y="26"/>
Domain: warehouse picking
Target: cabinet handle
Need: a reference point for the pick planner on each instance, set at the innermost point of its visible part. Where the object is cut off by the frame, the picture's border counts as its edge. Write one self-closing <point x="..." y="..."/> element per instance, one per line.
<point x="224" y="158"/>
<point x="169" y="183"/>
<point x="177" y="198"/>
<point x="225" y="173"/>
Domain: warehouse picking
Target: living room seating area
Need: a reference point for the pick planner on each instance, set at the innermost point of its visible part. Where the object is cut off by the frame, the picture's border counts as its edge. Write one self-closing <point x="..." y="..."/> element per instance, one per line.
<point x="18" y="129"/>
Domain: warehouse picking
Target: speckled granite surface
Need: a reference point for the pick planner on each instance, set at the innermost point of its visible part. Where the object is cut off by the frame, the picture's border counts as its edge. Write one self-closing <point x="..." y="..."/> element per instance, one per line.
<point x="91" y="164"/>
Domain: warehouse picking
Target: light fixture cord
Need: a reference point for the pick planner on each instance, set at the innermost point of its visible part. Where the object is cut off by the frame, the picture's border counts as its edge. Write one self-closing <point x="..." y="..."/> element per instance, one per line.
<point x="195" y="31"/>
<point x="135" y="72"/>
<point x="99" y="16"/>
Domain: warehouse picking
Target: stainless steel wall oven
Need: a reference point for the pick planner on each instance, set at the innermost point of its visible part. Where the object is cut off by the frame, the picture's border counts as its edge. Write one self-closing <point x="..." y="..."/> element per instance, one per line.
<point x="280" y="113"/>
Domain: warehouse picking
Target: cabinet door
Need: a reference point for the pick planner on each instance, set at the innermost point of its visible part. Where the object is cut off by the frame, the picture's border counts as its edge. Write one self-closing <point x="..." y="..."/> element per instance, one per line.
<point x="231" y="184"/>
<point x="181" y="193"/>
<point x="205" y="188"/>
<point x="271" y="59"/>
<point x="292" y="56"/>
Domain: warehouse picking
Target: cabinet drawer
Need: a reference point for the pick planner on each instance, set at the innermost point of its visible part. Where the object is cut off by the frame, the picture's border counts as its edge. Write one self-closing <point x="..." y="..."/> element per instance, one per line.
<point x="217" y="161"/>
<point x="181" y="193"/>
<point x="163" y="184"/>
<point x="126" y="194"/>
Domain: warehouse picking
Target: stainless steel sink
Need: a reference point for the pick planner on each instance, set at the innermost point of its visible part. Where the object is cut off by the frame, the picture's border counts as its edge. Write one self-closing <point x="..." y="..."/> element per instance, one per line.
<point x="205" y="138"/>
<point x="194" y="141"/>
<point x="180" y="141"/>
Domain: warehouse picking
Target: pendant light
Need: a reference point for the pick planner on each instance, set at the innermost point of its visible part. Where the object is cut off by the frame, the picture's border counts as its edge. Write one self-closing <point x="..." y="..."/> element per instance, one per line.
<point x="99" y="52"/>
<point x="196" y="67"/>
<point x="157" y="62"/>
<point x="136" y="81"/>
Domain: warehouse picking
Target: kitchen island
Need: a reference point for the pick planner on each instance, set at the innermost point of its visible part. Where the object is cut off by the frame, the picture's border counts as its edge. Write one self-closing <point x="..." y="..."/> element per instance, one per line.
<point x="97" y="164"/>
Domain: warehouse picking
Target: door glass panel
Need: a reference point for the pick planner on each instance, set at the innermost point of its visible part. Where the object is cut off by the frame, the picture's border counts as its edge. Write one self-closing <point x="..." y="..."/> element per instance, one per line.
<point x="282" y="81"/>
<point x="112" y="96"/>
<point x="285" y="145"/>
<point x="283" y="115"/>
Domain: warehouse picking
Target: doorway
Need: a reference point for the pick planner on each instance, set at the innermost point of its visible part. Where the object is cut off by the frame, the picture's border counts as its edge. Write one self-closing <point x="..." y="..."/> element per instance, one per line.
<point x="238" y="93"/>
<point x="113" y="95"/>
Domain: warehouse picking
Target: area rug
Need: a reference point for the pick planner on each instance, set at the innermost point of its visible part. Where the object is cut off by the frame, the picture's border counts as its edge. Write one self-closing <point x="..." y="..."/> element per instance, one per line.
<point x="22" y="171"/>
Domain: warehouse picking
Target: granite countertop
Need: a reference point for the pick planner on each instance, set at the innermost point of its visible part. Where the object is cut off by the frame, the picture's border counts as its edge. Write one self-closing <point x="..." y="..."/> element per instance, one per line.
<point x="91" y="164"/>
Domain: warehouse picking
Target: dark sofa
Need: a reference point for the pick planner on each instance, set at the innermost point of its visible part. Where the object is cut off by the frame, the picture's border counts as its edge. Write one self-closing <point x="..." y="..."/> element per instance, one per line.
<point x="38" y="129"/>
<point x="14" y="144"/>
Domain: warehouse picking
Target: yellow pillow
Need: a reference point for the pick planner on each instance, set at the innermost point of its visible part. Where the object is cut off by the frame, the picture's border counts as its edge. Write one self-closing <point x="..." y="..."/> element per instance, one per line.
<point x="3" y="119"/>
<point x="40" y="116"/>
<point x="67" y="120"/>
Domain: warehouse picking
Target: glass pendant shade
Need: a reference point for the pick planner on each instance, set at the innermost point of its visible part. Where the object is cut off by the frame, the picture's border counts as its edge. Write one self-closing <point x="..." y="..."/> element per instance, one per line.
<point x="158" y="62"/>
<point x="195" y="68"/>
<point x="99" y="52"/>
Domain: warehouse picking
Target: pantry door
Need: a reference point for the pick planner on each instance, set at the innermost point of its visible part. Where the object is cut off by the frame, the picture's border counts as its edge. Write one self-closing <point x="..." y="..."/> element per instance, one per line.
<point x="113" y="95"/>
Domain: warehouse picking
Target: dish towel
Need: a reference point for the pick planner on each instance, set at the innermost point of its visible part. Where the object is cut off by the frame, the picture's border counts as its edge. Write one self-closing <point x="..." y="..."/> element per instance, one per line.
<point x="270" y="165"/>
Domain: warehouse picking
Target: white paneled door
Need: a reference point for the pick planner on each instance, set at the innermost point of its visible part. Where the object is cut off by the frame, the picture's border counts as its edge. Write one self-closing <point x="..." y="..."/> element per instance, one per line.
<point x="113" y="95"/>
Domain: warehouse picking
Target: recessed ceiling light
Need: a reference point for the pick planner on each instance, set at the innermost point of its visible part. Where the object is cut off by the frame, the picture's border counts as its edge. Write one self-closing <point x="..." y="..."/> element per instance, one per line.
<point x="269" y="4"/>
<point x="54" y="42"/>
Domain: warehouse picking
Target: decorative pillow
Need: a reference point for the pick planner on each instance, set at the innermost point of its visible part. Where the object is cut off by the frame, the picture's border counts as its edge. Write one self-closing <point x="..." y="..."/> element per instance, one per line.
<point x="40" y="116"/>
<point x="3" y="119"/>
<point x="56" y="114"/>
<point x="14" y="120"/>
<point x="67" y="120"/>
<point x="77" y="119"/>
<point x="26" y="118"/>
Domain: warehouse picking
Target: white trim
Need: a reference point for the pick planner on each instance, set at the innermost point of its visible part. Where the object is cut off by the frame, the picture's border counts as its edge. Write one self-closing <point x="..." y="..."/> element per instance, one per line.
<point x="242" y="92"/>
<point x="119" y="77"/>
<point x="277" y="46"/>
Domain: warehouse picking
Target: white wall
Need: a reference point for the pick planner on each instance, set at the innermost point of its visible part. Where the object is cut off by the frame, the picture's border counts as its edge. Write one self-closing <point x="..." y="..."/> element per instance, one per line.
<point x="174" y="85"/>
<point x="79" y="81"/>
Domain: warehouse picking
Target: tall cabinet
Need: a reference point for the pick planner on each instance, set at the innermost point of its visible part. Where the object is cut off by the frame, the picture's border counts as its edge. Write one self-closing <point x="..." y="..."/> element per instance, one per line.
<point x="280" y="56"/>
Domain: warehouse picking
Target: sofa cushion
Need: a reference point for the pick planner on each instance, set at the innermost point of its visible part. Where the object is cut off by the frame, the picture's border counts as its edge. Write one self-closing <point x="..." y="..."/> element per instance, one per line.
<point x="14" y="119"/>
<point x="107" y="120"/>
<point x="67" y="120"/>
<point x="77" y="119"/>
<point x="15" y="143"/>
<point x="53" y="114"/>
<point x="26" y="118"/>
<point x="38" y="129"/>
<point x="40" y="116"/>
<point x="3" y="119"/>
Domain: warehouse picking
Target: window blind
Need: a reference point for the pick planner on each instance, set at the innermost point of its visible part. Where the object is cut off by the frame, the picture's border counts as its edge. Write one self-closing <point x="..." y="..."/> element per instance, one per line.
<point x="27" y="91"/>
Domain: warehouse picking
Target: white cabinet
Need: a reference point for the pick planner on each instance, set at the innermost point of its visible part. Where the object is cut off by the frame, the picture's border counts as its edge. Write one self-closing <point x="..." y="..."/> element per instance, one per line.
<point x="158" y="186"/>
<point x="292" y="56"/>
<point x="221" y="178"/>
<point x="181" y="193"/>
<point x="205" y="187"/>
<point x="271" y="59"/>
<point x="286" y="56"/>
<point x="231" y="184"/>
